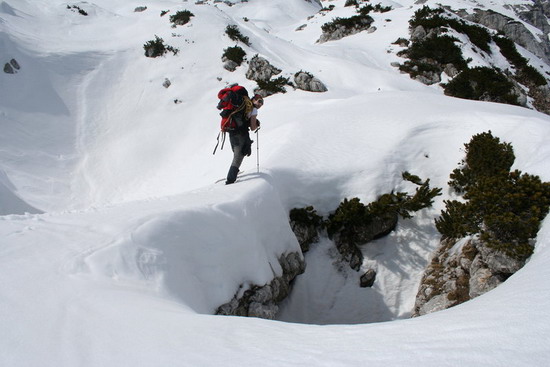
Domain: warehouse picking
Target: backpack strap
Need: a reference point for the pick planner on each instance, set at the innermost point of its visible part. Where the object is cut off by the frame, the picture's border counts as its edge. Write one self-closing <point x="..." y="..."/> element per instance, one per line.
<point x="246" y="106"/>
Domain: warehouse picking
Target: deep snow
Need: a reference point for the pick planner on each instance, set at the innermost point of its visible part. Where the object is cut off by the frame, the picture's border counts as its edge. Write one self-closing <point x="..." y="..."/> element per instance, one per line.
<point x="118" y="245"/>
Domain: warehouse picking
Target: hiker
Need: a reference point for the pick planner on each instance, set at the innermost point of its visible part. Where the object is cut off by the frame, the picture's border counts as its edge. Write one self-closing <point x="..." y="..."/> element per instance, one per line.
<point x="240" y="138"/>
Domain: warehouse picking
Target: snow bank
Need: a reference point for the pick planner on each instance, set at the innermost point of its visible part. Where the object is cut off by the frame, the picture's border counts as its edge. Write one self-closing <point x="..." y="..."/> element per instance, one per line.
<point x="138" y="245"/>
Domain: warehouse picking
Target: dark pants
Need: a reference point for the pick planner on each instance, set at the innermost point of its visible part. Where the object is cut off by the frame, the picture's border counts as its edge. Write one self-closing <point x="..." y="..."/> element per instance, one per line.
<point x="241" y="146"/>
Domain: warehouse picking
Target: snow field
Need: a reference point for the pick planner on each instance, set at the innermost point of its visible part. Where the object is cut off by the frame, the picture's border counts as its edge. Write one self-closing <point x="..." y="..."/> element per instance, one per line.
<point x="138" y="246"/>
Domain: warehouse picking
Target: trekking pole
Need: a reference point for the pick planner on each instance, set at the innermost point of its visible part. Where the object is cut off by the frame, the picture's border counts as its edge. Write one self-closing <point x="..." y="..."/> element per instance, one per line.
<point x="258" y="150"/>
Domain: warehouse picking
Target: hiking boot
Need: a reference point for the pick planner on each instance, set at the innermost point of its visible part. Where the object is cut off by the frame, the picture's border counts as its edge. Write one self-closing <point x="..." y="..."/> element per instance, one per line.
<point x="232" y="175"/>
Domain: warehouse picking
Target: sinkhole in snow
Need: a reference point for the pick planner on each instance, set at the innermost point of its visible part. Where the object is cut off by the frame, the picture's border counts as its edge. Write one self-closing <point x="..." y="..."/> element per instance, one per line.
<point x="329" y="291"/>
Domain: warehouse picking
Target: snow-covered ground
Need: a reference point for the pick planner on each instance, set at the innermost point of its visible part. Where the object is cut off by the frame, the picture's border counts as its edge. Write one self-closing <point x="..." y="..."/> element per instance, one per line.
<point x="117" y="244"/>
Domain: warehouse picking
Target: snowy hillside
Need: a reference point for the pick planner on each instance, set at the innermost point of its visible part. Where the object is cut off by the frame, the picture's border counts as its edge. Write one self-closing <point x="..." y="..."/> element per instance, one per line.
<point x="118" y="245"/>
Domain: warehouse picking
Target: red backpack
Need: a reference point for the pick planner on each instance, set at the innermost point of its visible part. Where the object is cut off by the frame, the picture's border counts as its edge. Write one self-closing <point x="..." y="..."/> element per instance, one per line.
<point x="232" y="100"/>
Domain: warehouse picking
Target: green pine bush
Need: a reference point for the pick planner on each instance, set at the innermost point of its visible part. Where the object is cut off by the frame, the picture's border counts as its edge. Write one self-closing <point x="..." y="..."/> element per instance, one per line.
<point x="273" y="86"/>
<point x="442" y="49"/>
<point x="156" y="48"/>
<point x="504" y="208"/>
<point x="482" y="83"/>
<point x="306" y="217"/>
<point x="235" y="54"/>
<point x="181" y="17"/>
<point x="235" y="34"/>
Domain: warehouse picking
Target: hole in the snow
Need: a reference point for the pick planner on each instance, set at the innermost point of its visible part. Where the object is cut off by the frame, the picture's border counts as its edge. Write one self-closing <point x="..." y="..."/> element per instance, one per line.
<point x="329" y="291"/>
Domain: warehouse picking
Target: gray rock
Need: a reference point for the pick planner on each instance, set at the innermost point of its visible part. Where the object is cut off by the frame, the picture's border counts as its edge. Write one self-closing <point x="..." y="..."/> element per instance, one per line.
<point x="428" y="78"/>
<point x="418" y="34"/>
<point x="167" y="83"/>
<point x="229" y="65"/>
<point x="497" y="261"/>
<point x="343" y="31"/>
<point x="512" y="29"/>
<point x="482" y="280"/>
<point x="367" y="279"/>
<point x="261" y="310"/>
<point x="306" y="235"/>
<point x="308" y="82"/>
<point x="437" y="303"/>
<point x="451" y="70"/>
<point x="457" y="275"/>
<point x="262" y="301"/>
<point x="140" y="9"/>
<point x="260" y="69"/>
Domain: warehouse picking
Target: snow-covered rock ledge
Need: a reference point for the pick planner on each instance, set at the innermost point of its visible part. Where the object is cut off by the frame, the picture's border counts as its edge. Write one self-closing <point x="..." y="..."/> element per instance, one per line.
<point x="201" y="255"/>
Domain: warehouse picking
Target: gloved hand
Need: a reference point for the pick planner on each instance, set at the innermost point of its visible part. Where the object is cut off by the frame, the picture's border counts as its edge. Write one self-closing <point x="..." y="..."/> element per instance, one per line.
<point x="247" y="147"/>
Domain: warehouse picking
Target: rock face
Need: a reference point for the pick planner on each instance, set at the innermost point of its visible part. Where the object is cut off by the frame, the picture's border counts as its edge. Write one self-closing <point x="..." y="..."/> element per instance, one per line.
<point x="367" y="279"/>
<point x="262" y="301"/>
<point x="229" y="65"/>
<point x="260" y="69"/>
<point x="308" y="82"/>
<point x="365" y="232"/>
<point x="459" y="271"/>
<point x="515" y="30"/>
<point x="342" y="31"/>
<point x="305" y="234"/>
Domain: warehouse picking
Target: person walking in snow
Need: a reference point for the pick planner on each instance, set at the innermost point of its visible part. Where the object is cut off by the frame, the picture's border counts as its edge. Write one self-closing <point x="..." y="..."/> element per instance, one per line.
<point x="241" y="144"/>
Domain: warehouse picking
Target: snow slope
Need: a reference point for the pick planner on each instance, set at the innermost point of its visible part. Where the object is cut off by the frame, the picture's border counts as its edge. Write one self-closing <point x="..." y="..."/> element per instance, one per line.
<point x="117" y="245"/>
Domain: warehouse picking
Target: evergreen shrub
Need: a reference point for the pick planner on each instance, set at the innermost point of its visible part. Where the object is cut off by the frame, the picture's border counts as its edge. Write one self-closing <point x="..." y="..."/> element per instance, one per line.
<point x="306" y="217"/>
<point x="442" y="49"/>
<point x="273" y="86"/>
<point x="235" y="34"/>
<point x="181" y="17"/>
<point x="156" y="48"/>
<point x="355" y="21"/>
<point x="482" y="83"/>
<point x="504" y="208"/>
<point x="352" y="214"/>
<point x="235" y="54"/>
<point x="525" y="72"/>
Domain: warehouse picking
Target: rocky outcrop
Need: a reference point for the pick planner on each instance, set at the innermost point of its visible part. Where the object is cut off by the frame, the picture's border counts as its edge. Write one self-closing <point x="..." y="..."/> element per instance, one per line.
<point x="305" y="81"/>
<point x="260" y="69"/>
<point x="229" y="65"/>
<point x="537" y="14"/>
<point x="364" y="232"/>
<point x="512" y="29"/>
<point x="367" y="279"/>
<point x="462" y="270"/>
<point x="339" y="31"/>
<point x="306" y="234"/>
<point x="263" y="300"/>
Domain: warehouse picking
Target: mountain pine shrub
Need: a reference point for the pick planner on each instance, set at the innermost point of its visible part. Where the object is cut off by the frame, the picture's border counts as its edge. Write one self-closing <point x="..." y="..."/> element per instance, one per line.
<point x="526" y="74"/>
<point x="355" y="21"/>
<point x="235" y="34"/>
<point x="306" y="217"/>
<point x="235" y="54"/>
<point x="273" y="86"/>
<point x="181" y="17"/>
<point x="441" y="49"/>
<point x="486" y="156"/>
<point x="504" y="208"/>
<point x="156" y="48"/>
<point x="352" y="215"/>
<point x="483" y="84"/>
<point x="78" y="9"/>
<point x="433" y="18"/>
